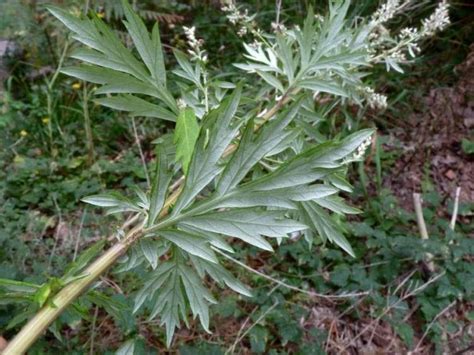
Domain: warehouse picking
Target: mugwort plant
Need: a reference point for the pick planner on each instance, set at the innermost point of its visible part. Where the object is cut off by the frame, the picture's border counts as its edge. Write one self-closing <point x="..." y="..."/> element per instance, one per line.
<point x="242" y="162"/>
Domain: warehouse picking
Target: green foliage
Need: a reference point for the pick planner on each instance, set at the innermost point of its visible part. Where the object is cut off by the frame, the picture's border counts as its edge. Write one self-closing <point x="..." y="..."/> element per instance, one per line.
<point x="269" y="205"/>
<point x="467" y="146"/>
<point x="248" y="178"/>
<point x="185" y="136"/>
<point x="322" y="56"/>
<point x="385" y="252"/>
<point x="194" y="227"/>
<point x="116" y="69"/>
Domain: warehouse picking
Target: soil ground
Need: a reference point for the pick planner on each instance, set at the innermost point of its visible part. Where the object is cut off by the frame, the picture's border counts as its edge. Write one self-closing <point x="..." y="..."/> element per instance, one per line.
<point x="432" y="142"/>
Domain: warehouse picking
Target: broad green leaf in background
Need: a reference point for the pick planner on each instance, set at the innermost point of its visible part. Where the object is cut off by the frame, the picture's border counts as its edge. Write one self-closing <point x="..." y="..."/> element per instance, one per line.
<point x="185" y="136"/>
<point x="467" y="146"/>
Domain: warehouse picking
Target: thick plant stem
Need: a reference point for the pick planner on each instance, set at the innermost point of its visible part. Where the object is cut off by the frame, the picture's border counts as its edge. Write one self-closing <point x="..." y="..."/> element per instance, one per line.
<point x="46" y="316"/>
<point x="43" y="319"/>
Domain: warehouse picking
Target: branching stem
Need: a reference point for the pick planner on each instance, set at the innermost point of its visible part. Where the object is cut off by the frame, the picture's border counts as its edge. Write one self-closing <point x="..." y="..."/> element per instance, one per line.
<point x="46" y="316"/>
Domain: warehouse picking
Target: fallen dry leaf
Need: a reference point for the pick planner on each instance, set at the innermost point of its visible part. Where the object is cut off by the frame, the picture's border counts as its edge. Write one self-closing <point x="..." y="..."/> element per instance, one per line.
<point x="3" y="343"/>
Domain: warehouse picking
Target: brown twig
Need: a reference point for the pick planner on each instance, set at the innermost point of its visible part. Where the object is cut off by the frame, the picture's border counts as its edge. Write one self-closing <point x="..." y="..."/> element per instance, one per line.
<point x="448" y="307"/>
<point x="393" y="305"/>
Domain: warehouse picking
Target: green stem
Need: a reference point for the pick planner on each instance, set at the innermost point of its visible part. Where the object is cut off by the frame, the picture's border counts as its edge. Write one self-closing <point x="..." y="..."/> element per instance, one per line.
<point x="49" y="95"/>
<point x="206" y="91"/>
<point x="87" y="125"/>
<point x="43" y="319"/>
<point x="85" y="110"/>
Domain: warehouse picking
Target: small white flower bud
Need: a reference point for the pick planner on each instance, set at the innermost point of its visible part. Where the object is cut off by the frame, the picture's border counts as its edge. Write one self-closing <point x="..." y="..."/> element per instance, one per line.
<point x="181" y="104"/>
<point x="437" y="21"/>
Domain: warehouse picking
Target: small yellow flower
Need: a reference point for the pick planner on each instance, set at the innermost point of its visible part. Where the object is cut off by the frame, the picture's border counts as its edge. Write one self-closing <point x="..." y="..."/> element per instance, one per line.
<point x="18" y="159"/>
<point x="76" y="86"/>
<point x="45" y="120"/>
<point x="76" y="12"/>
<point x="100" y="15"/>
<point x="23" y="133"/>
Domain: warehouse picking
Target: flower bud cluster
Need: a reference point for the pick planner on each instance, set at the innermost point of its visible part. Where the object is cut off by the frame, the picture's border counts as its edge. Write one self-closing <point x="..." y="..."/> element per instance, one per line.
<point x="398" y="56"/>
<point x="375" y="100"/>
<point x="438" y="20"/>
<point x="196" y="51"/>
<point x="181" y="104"/>
<point x="319" y="17"/>
<point x="377" y="37"/>
<point x="359" y="153"/>
<point x="410" y="36"/>
<point x="278" y="27"/>
<point x="256" y="44"/>
<point x="239" y="18"/>
<point x="393" y="49"/>
<point x="386" y="12"/>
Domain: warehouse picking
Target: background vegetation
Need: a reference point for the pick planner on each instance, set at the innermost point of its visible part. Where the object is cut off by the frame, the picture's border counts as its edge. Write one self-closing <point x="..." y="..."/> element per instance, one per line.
<point x="50" y="159"/>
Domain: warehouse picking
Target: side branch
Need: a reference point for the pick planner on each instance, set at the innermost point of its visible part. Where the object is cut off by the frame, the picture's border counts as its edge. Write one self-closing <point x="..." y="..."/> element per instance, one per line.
<point x="46" y="316"/>
<point x="43" y="319"/>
